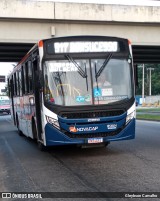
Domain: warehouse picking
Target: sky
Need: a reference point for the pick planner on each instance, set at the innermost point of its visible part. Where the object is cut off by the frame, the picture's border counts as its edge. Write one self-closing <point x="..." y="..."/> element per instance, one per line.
<point x="6" y="67"/>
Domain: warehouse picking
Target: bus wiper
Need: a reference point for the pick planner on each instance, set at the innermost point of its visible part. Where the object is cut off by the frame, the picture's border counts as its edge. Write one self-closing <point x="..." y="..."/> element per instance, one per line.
<point x="95" y="68"/>
<point x="80" y="70"/>
<point x="103" y="65"/>
<point x="86" y="77"/>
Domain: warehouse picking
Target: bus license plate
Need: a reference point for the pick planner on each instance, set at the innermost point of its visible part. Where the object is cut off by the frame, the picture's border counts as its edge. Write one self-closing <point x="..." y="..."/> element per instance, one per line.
<point x="95" y="140"/>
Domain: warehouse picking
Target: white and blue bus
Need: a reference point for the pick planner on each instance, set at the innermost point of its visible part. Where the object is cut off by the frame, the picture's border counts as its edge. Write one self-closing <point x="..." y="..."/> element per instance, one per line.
<point x="75" y="90"/>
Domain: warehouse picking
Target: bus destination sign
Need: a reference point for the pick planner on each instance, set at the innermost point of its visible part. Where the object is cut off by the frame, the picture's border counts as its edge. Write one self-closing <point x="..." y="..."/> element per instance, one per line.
<point x="90" y="46"/>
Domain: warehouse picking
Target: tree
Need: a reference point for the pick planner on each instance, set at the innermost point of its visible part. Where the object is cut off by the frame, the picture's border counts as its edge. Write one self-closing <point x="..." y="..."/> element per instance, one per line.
<point x="155" y="80"/>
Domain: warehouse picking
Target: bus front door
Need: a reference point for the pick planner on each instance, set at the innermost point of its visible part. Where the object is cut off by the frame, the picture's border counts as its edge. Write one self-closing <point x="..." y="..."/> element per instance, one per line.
<point x="38" y="100"/>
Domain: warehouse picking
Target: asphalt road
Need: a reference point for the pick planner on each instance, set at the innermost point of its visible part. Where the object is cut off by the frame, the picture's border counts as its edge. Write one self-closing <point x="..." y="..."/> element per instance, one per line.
<point x="125" y="166"/>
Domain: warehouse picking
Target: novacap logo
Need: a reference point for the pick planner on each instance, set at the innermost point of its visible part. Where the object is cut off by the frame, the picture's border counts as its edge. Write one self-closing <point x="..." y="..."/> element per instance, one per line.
<point x="74" y="129"/>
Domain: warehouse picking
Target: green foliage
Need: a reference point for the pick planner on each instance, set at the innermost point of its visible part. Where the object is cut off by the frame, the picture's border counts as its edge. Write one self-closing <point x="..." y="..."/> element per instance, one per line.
<point x="155" y="79"/>
<point x="148" y="110"/>
<point x="148" y="117"/>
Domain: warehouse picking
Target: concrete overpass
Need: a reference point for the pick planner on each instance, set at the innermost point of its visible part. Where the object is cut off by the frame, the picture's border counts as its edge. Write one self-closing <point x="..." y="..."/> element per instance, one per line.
<point x="24" y="22"/>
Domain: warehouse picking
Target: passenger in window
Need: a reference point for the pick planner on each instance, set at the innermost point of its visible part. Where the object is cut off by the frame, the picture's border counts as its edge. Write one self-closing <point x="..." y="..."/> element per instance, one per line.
<point x="102" y="81"/>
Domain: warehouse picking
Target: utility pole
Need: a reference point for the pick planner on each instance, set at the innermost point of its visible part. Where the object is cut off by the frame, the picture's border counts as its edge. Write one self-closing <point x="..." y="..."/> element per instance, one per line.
<point x="142" y="66"/>
<point x="142" y="83"/>
<point x="150" y="85"/>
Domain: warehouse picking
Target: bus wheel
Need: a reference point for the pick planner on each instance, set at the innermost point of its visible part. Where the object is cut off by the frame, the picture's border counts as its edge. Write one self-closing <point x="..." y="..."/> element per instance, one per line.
<point x="34" y="130"/>
<point x="19" y="131"/>
<point x="106" y="144"/>
<point x="41" y="147"/>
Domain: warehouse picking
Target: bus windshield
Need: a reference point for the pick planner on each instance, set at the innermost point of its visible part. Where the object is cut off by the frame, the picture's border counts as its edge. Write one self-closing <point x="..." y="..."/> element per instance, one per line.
<point x="87" y="81"/>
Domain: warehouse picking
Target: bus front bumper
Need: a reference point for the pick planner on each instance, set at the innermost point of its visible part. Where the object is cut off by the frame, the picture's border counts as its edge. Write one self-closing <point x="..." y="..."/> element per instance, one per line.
<point x="54" y="137"/>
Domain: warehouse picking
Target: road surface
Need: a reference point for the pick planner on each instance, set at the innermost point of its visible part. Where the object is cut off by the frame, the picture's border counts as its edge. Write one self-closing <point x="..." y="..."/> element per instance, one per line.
<point x="125" y="166"/>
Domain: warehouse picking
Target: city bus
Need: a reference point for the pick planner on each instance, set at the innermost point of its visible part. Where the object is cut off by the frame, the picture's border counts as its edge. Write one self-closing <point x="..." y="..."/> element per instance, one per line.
<point x="58" y="96"/>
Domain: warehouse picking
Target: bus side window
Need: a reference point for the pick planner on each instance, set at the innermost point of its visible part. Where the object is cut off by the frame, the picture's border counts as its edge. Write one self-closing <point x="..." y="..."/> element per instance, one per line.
<point x="12" y="85"/>
<point x="17" y="80"/>
<point x="20" y="83"/>
<point x="15" y="85"/>
<point x="22" y="78"/>
<point x="30" y="77"/>
<point x="26" y="78"/>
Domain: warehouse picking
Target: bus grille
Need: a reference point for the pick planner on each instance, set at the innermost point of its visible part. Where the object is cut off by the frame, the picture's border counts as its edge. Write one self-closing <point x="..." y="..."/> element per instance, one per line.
<point x="89" y="114"/>
<point x="93" y="135"/>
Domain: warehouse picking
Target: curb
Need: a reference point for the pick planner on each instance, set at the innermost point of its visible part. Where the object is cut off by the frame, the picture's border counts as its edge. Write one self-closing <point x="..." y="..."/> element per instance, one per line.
<point x="148" y="119"/>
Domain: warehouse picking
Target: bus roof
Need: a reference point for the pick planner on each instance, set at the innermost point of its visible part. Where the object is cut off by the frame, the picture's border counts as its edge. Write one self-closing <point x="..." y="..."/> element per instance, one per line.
<point x="23" y="59"/>
<point x="65" y="38"/>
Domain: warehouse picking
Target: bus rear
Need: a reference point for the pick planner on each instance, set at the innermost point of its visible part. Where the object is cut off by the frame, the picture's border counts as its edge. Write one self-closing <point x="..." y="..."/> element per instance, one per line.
<point x="88" y="90"/>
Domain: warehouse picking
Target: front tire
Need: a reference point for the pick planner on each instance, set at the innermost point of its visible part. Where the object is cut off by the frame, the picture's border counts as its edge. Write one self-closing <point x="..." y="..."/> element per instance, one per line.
<point x="41" y="147"/>
<point x="106" y="144"/>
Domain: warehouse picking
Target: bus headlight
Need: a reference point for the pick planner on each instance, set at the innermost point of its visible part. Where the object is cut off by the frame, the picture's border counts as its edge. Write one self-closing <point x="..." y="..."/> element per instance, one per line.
<point x="130" y="117"/>
<point x="53" y="122"/>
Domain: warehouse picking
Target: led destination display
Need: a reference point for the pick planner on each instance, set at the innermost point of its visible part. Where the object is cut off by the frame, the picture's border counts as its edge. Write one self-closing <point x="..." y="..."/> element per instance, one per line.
<point x="94" y="46"/>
